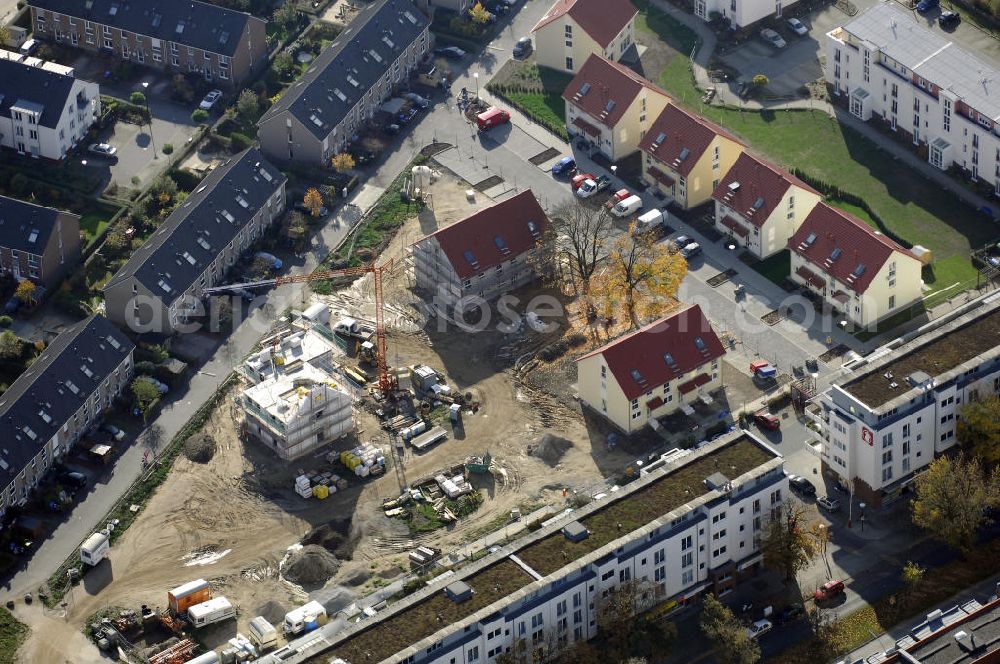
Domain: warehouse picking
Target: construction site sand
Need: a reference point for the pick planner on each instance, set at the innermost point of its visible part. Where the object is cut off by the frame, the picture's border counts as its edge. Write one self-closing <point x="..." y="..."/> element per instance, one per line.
<point x="241" y="499"/>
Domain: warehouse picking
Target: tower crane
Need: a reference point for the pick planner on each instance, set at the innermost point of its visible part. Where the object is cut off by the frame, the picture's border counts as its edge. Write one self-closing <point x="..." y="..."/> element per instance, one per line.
<point x="386" y="381"/>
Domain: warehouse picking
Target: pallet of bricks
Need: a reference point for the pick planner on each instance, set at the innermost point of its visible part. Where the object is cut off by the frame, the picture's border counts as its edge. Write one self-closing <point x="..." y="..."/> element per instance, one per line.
<point x="364" y="460"/>
<point x="314" y="484"/>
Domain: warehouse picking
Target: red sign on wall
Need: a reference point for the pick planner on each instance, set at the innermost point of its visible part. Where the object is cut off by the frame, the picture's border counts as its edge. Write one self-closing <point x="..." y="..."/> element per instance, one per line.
<point x="868" y="436"/>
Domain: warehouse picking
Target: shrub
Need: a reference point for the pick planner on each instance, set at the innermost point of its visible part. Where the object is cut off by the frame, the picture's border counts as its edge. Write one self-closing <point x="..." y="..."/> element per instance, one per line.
<point x="5" y="321"/>
<point x="239" y="142"/>
<point x="199" y="116"/>
<point x="216" y="142"/>
<point x="168" y="148"/>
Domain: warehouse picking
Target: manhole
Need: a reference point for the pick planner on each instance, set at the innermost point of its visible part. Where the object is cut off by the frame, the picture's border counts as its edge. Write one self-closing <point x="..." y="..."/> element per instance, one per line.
<point x="543" y="157"/>
<point x="772" y="317"/>
<point x="721" y="278"/>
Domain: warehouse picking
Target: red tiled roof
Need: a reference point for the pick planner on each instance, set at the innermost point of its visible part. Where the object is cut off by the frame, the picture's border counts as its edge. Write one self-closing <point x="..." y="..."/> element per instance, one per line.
<point x="681" y="130"/>
<point x="482" y="235"/>
<point x="644" y="351"/>
<point x="758" y="180"/>
<point x="601" y="19"/>
<point x="811" y="277"/>
<point x="735" y="226"/>
<point x="586" y="126"/>
<point x="841" y="296"/>
<point x="837" y="233"/>
<point x="654" y="403"/>
<point x="608" y="82"/>
<point x="660" y="176"/>
<point x="694" y="383"/>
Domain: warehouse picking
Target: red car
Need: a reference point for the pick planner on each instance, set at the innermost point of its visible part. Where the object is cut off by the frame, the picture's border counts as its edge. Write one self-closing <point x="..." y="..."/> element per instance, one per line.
<point x="828" y="590"/>
<point x="766" y="420"/>
<point x="579" y="179"/>
<point x="617" y="197"/>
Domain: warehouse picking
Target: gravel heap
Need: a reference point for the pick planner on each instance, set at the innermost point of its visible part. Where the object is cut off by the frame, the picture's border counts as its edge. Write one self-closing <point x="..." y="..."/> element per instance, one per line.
<point x="199" y="448"/>
<point x="550" y="449"/>
<point x="312" y="566"/>
<point x="335" y="536"/>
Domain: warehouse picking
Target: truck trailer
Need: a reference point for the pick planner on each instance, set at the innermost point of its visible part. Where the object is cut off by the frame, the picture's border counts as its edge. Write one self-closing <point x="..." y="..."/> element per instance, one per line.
<point x="306" y="618"/>
<point x="214" y="610"/>
<point x="183" y="597"/>
<point x="263" y="633"/>
<point x="95" y="549"/>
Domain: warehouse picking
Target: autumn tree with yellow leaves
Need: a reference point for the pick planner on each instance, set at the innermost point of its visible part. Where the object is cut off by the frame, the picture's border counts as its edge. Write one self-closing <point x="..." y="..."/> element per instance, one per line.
<point x="313" y="200"/>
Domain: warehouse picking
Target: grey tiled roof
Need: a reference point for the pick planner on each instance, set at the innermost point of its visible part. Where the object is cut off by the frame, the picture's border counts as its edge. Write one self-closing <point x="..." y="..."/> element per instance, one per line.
<point x="930" y="55"/>
<point x="26" y="227"/>
<point x="348" y="68"/>
<point x="197" y="24"/>
<point x="25" y="85"/>
<point x="200" y="228"/>
<point x="54" y="387"/>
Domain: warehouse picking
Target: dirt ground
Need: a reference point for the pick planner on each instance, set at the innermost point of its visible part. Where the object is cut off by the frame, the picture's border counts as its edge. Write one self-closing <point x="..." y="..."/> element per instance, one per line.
<point x="232" y="520"/>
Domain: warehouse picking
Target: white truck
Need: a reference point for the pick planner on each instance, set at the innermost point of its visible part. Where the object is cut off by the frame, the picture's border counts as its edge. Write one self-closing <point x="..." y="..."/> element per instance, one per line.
<point x="95" y="549"/>
<point x="214" y="610"/>
<point x="305" y="618"/>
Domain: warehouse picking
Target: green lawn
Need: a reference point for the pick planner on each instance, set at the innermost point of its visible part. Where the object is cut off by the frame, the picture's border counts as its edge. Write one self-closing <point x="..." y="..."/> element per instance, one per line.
<point x="777" y="267"/>
<point x="93" y="224"/>
<point x="536" y="92"/>
<point x="12" y="635"/>
<point x="822" y="148"/>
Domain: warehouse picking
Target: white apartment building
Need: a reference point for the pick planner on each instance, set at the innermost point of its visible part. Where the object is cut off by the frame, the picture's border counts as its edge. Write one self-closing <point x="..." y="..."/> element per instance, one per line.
<point x="898" y="409"/>
<point x="546" y="591"/>
<point x="741" y="13"/>
<point x="44" y="109"/>
<point x="297" y="411"/>
<point x="57" y="400"/>
<point x="885" y="65"/>
<point x="287" y="352"/>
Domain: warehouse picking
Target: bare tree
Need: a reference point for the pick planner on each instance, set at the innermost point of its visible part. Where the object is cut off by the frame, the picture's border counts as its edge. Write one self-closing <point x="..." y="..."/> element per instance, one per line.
<point x="153" y="438"/>
<point x="583" y="233"/>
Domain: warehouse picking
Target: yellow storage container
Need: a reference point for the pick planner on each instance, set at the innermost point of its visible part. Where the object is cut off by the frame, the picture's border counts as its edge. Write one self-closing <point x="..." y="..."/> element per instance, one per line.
<point x="320" y="491"/>
<point x="343" y="457"/>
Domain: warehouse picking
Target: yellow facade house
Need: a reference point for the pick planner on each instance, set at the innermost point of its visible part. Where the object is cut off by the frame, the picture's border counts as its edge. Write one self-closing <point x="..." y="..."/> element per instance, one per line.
<point x="760" y="206"/>
<point x="857" y="271"/>
<point x="684" y="156"/>
<point x="573" y="30"/>
<point x="611" y="106"/>
<point x="653" y="371"/>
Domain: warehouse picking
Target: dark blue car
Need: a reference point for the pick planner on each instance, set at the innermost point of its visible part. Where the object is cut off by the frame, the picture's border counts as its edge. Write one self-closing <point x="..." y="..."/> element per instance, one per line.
<point x="925" y="6"/>
<point x="564" y="166"/>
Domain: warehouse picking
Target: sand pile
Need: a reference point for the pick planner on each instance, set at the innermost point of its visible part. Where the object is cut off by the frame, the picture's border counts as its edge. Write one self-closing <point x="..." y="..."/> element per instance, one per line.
<point x="549" y="448"/>
<point x="311" y="566"/>
<point x="336" y="536"/>
<point x="272" y="611"/>
<point x="199" y="448"/>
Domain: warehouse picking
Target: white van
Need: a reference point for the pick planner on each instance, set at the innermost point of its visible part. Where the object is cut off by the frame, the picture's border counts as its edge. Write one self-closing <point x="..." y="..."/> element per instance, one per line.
<point x="649" y="221"/>
<point x="626" y="207"/>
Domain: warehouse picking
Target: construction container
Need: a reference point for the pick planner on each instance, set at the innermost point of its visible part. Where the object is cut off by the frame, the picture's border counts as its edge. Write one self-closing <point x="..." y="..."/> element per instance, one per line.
<point x="214" y="610"/>
<point x="409" y="432"/>
<point x="183" y="597"/>
<point x="320" y="491"/>
<point x="208" y="658"/>
<point x="263" y="633"/>
<point x="305" y="618"/>
<point x="95" y="549"/>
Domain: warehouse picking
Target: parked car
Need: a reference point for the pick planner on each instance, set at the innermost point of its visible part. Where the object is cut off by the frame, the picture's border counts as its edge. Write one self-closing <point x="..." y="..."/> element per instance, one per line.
<point x="797" y="26"/>
<point x="690" y="250"/>
<point x="591" y="186"/>
<point x="829" y="504"/>
<point x="772" y="38"/>
<point x="949" y="19"/>
<point x="681" y="241"/>
<point x="73" y="479"/>
<point x="759" y="628"/>
<point x="209" y="101"/>
<point x="29" y="47"/>
<point x="766" y="420"/>
<point x="115" y="432"/>
<point x="362" y="156"/>
<point x="270" y="258"/>
<point x="450" y="52"/>
<point x="925" y="6"/>
<point x="617" y="198"/>
<point x="790" y="613"/>
<point x="391" y="128"/>
<point x="522" y="48"/>
<point x="417" y="100"/>
<point x="580" y="178"/>
<point x="802" y="485"/>
<point x="564" y="166"/>
<point x="828" y="590"/>
<point x="492" y="117"/>
<point x="102" y="149"/>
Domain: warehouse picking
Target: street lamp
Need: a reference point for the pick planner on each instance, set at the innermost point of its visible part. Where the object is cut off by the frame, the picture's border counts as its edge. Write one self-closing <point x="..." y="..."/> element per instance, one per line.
<point x="475" y="75"/>
<point x="145" y="95"/>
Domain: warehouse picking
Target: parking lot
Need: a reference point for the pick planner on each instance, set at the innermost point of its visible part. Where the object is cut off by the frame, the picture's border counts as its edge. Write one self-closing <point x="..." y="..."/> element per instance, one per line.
<point x="798" y="63"/>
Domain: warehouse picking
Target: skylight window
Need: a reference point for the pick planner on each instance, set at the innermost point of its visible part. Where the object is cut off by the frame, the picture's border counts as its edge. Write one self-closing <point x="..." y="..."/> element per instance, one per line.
<point x="189" y="258"/>
<point x="164" y="285"/>
<point x="835" y="254"/>
<point x="637" y="376"/>
<point x="156" y="20"/>
<point x="316" y="121"/>
<point x="470" y="257"/>
<point x="114" y="342"/>
<point x="501" y="245"/>
<point x="669" y="359"/>
<point x="229" y="216"/>
<point x="387" y="41"/>
<point x="410" y="17"/>
<point x="204" y="245"/>
<point x="759" y="203"/>
<point x="660" y="138"/>
<point x="584" y="89"/>
<point x="810" y="239"/>
<point x="683" y="155"/>
<point x="610" y="106"/>
<point x="224" y="37"/>
<point x="242" y="201"/>
<point x="859" y="270"/>
<point x="533" y="228"/>
<point x="264" y="174"/>
<point x="72" y="387"/>
<point x="180" y="27"/>
<point x="31" y="434"/>
<point x="86" y="371"/>
<point x="113" y="9"/>
<point x="353" y="81"/>
<point x="33" y="236"/>
<point x="700" y="343"/>
<point x="340" y="95"/>
<point x="375" y="55"/>
<point x="45" y="416"/>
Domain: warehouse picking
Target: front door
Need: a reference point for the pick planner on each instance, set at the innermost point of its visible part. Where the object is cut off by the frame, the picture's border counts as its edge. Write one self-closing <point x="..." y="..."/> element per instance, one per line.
<point x="777" y="8"/>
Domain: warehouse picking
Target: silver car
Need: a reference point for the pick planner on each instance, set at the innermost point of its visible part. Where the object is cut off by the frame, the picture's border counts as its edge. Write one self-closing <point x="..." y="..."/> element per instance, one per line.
<point x="772" y="38"/>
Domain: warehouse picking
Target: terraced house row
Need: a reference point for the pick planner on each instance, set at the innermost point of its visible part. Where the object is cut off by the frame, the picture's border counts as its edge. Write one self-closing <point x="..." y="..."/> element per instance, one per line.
<point x="221" y="45"/>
